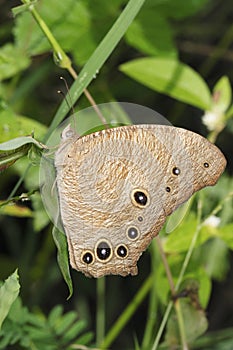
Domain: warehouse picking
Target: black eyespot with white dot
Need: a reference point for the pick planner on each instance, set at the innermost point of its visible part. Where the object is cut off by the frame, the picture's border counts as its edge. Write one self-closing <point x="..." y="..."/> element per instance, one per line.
<point x="140" y="218"/>
<point x="140" y="197"/>
<point x="87" y="258"/>
<point x="103" y="251"/>
<point x="168" y="189"/>
<point x="176" y="171"/>
<point x="132" y="233"/>
<point x="206" y="165"/>
<point x="122" y="251"/>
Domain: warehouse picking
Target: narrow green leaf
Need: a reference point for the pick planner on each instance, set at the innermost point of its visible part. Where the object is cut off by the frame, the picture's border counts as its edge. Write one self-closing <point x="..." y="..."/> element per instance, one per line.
<point x="20" y="141"/>
<point x="63" y="257"/>
<point x="175" y="218"/>
<point x="55" y="314"/>
<point x="8" y="293"/>
<point x="66" y="322"/>
<point x="85" y="339"/>
<point x="100" y="55"/>
<point x="171" y="78"/>
<point x="222" y="94"/>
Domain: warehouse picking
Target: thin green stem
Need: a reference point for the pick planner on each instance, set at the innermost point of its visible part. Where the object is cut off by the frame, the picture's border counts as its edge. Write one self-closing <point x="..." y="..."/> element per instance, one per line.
<point x="153" y="300"/>
<point x="127" y="314"/>
<point x="100" y="313"/>
<point x="181" y="326"/>
<point x="191" y="247"/>
<point x="180" y="278"/>
<point x="177" y="302"/>
<point x="166" y="266"/>
<point x="162" y="326"/>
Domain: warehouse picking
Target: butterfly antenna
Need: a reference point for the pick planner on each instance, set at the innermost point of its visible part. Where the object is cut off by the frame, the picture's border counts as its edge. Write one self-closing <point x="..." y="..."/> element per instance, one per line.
<point x="68" y="102"/>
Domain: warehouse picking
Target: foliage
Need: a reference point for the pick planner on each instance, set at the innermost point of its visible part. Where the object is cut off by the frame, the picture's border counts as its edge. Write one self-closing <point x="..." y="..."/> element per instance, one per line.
<point x="36" y="331"/>
<point x="125" y="50"/>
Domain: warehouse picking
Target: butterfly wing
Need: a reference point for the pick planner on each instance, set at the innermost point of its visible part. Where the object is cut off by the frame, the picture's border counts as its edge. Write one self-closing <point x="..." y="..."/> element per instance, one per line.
<point x="117" y="186"/>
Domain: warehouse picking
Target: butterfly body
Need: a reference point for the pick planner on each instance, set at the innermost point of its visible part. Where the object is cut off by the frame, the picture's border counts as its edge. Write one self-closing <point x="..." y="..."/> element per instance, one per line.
<point x="117" y="186"/>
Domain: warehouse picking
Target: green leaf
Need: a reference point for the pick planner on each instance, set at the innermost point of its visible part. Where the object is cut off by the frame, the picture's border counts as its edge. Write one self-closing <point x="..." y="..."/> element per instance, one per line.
<point x="180" y="239"/>
<point x="90" y="20"/>
<point x="12" y="61"/>
<point x="18" y="142"/>
<point x="226" y="234"/>
<point x="100" y="55"/>
<point x="13" y="126"/>
<point x="8" y="293"/>
<point x="195" y="324"/>
<point x="12" y="209"/>
<point x="229" y="113"/>
<point x="177" y="9"/>
<point x="222" y="94"/>
<point x="150" y="33"/>
<point x="215" y="259"/>
<point x="177" y="216"/>
<point x="9" y="158"/>
<point x="63" y="257"/>
<point x="171" y="78"/>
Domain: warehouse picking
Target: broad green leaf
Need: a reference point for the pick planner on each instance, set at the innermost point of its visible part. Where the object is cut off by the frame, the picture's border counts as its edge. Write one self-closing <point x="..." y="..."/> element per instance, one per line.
<point x="151" y="33"/>
<point x="205" y="287"/>
<point x="63" y="257"/>
<point x="180" y="239"/>
<point x="222" y="94"/>
<point x="195" y="324"/>
<point x="215" y="259"/>
<point x="171" y="78"/>
<point x="12" y="61"/>
<point x="13" y="126"/>
<point x="8" y="293"/>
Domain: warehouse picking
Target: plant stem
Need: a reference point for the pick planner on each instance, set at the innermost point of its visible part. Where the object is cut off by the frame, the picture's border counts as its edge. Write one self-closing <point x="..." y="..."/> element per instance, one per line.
<point x="166" y="266"/>
<point x="180" y="278"/>
<point x="100" y="312"/>
<point x="180" y="320"/>
<point x="127" y="313"/>
<point x="162" y="326"/>
<point x="61" y="59"/>
<point x="177" y="301"/>
<point x="153" y="301"/>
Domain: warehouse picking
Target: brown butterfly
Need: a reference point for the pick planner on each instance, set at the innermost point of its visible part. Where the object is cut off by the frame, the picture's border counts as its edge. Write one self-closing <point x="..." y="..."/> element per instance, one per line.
<point x="117" y="186"/>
